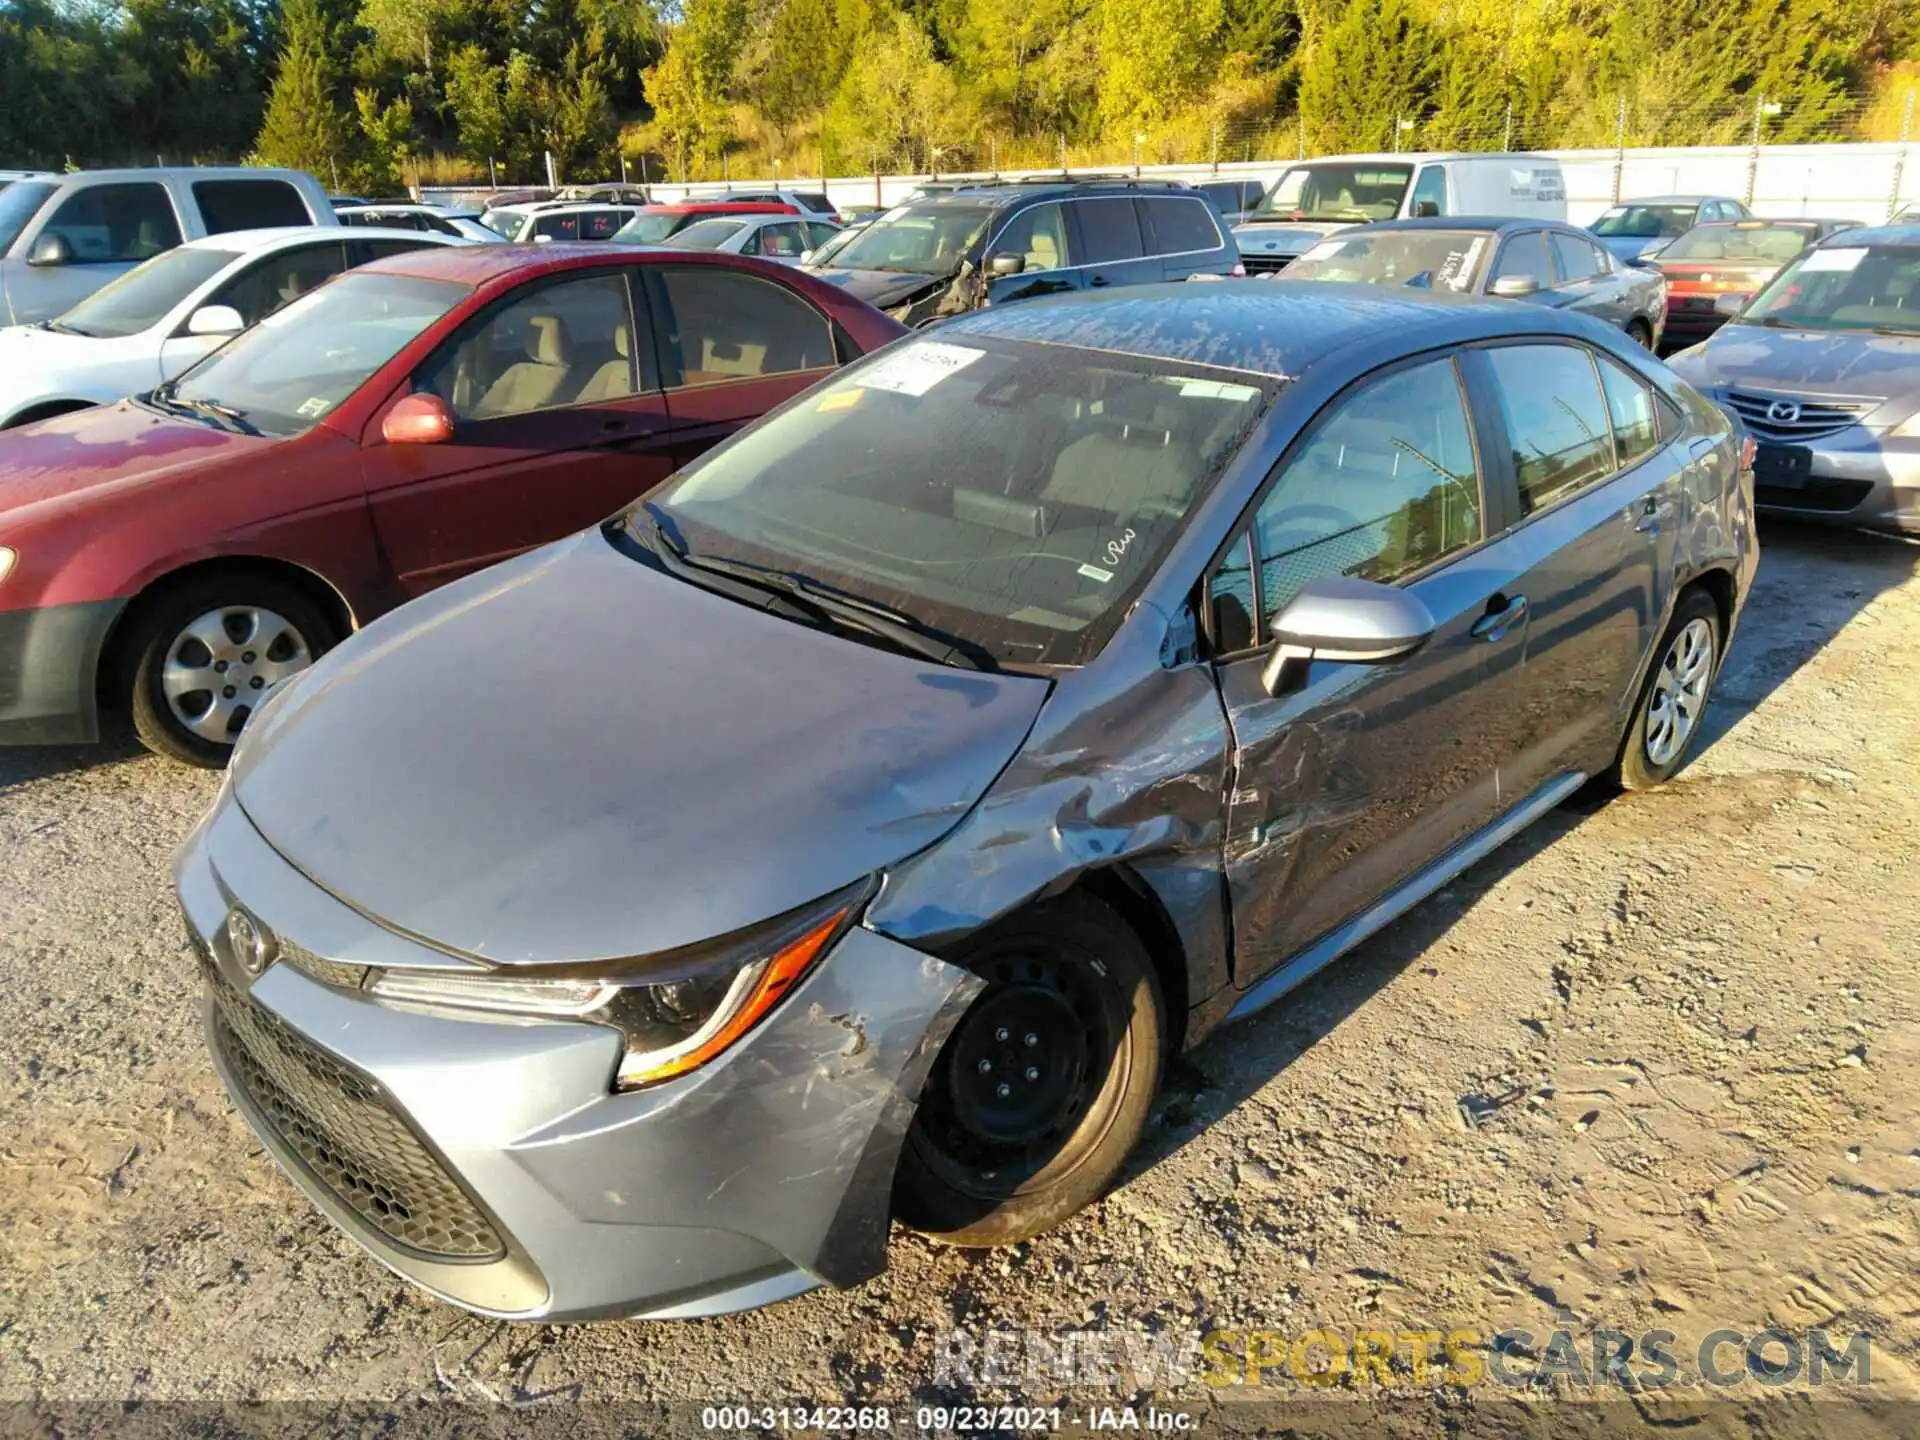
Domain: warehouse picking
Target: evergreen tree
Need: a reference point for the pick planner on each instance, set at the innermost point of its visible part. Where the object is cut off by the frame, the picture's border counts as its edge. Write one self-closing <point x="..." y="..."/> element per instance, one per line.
<point x="305" y="126"/>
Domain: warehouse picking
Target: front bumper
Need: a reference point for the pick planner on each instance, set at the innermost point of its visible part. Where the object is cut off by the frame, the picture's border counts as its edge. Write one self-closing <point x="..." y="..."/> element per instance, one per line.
<point x="1855" y="478"/>
<point x="486" y="1158"/>
<point x="49" y="661"/>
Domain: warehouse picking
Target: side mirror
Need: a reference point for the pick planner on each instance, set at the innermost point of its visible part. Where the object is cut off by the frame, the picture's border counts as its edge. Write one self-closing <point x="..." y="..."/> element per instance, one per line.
<point x="1003" y="263"/>
<point x="50" y="250"/>
<point x="1514" y="287"/>
<point x="215" y="320"/>
<point x="1349" y="622"/>
<point x="422" y="419"/>
<point x="1730" y="305"/>
<point x="1426" y="209"/>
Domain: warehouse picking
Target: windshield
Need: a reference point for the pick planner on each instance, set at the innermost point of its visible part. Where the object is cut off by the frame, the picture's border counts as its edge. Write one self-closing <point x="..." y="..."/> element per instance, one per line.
<point x="917" y="239"/>
<point x="18" y="203"/>
<point x="1645" y="222"/>
<point x="1747" y="244"/>
<point x="292" y="368"/>
<point x="1420" y="259"/>
<point x="706" y="235"/>
<point x="141" y="298"/>
<point x="651" y="227"/>
<point x="1015" y="495"/>
<point x="504" y="222"/>
<point x="1337" y="192"/>
<point x="1844" y="287"/>
<point x="828" y="250"/>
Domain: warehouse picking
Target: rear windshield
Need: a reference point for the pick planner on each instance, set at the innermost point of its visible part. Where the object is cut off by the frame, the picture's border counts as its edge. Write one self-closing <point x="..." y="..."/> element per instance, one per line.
<point x="141" y="298"/>
<point x="1844" y="287"/>
<point x="18" y="204"/>
<point x="1775" y="244"/>
<point x="917" y="239"/>
<point x="1418" y="259"/>
<point x="1017" y="495"/>
<point x="1645" y="222"/>
<point x="651" y="227"/>
<point x="707" y="235"/>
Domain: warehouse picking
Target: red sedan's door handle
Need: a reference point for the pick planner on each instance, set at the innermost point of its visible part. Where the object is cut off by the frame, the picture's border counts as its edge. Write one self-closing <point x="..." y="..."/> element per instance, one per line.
<point x="618" y="427"/>
<point x="1502" y="615"/>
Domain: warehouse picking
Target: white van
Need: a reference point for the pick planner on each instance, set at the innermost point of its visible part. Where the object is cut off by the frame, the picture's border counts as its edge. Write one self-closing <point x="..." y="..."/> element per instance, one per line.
<point x="1317" y="198"/>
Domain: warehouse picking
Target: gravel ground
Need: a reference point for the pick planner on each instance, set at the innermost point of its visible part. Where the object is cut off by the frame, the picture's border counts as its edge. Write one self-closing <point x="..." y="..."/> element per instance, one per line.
<point x="1650" y="1067"/>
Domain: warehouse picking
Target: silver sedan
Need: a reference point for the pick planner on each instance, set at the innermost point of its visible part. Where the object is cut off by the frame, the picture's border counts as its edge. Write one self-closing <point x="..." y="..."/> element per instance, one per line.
<point x="781" y="238"/>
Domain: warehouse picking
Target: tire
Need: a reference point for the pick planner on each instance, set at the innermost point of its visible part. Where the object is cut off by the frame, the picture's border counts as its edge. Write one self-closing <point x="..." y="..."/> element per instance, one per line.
<point x="1073" y="1010"/>
<point x="1641" y="334"/>
<point x="1686" y="663"/>
<point x="165" y="651"/>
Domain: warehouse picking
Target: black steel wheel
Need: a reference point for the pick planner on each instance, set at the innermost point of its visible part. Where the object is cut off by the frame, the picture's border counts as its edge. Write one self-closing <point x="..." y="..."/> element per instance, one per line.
<point x="1045" y="1084"/>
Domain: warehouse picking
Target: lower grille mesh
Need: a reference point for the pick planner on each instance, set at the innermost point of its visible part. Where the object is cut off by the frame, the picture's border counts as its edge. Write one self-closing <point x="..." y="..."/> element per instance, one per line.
<point x="339" y="1124"/>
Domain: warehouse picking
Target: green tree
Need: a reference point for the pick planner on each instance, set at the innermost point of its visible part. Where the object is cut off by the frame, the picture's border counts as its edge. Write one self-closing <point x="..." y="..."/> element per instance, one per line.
<point x="897" y="104"/>
<point x="1156" y="57"/>
<point x="305" y="126"/>
<point x="1371" y="70"/>
<point x="690" y="87"/>
<point x="387" y="135"/>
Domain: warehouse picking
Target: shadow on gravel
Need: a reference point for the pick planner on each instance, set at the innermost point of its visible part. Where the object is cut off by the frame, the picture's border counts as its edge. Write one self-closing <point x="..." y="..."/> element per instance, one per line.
<point x="29" y="763"/>
<point x="1813" y="581"/>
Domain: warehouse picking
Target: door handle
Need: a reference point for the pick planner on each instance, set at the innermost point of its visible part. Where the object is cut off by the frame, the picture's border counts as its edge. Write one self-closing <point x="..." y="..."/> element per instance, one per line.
<point x="1097" y="281"/>
<point x="1502" y="615"/>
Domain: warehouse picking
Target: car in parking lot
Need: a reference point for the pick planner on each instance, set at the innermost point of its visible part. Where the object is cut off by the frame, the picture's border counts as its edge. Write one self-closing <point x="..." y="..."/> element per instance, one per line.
<point x="780" y="238"/>
<point x="1823" y="368"/>
<point x="1233" y="200"/>
<point x="544" y="221"/>
<point x="1643" y="227"/>
<point x="438" y="219"/>
<point x="655" y="224"/>
<point x="994" y="244"/>
<point x="858" y="826"/>
<point x="812" y="203"/>
<point x="1721" y="258"/>
<point x="408" y="422"/>
<point x="1532" y="260"/>
<point x="64" y="236"/>
<point x="165" y="315"/>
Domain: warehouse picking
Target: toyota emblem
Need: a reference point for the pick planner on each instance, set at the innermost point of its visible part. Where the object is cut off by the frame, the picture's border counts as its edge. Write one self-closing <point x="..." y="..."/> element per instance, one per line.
<point x="251" y="944"/>
<point x="1784" y="412"/>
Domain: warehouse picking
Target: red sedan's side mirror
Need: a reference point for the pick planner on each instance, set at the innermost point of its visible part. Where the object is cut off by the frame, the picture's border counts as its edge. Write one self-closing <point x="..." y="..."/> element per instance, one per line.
<point x="422" y="419"/>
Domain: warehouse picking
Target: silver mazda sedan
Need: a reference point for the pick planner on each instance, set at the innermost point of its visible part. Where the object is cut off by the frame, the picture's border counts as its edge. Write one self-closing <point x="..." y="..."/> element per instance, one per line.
<point x="854" y="828"/>
<point x="1823" y="367"/>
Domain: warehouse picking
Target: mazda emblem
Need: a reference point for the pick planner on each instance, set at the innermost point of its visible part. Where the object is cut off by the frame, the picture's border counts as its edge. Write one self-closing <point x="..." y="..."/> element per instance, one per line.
<point x="251" y="944"/>
<point x="1784" y="412"/>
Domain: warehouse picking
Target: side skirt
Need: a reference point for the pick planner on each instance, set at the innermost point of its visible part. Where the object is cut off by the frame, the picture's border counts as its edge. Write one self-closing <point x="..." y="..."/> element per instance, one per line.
<point x="1331" y="946"/>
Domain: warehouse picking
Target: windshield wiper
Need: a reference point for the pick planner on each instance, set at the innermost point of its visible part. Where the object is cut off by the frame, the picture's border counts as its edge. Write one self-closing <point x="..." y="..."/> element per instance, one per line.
<point x="224" y="416"/>
<point x="56" y="328"/>
<point x="813" y="598"/>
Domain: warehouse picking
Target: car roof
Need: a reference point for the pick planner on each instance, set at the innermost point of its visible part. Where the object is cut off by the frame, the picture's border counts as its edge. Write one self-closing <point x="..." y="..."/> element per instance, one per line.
<point x="718" y="207"/>
<point x="1492" y="224"/>
<point x="1880" y="235"/>
<point x="1264" y="327"/>
<point x="204" y="172"/>
<point x="1668" y="200"/>
<point x="478" y="265"/>
<point x="279" y="237"/>
<point x="1006" y="192"/>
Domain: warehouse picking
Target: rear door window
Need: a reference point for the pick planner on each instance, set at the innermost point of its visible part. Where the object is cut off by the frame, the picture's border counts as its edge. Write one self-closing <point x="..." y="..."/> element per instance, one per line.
<point x="116" y="222"/>
<point x="1634" y="412"/>
<point x="248" y="204"/>
<point x="718" y="325"/>
<point x="558" y="227"/>
<point x="1557" y="425"/>
<point x="1109" y="230"/>
<point x="786" y="240"/>
<point x="1574" y="256"/>
<point x="601" y="224"/>
<point x="1179" y="227"/>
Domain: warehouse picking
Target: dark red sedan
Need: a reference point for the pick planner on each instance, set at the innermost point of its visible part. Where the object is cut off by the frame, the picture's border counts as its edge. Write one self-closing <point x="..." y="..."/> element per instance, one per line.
<point x="409" y="422"/>
<point x="1725" y="263"/>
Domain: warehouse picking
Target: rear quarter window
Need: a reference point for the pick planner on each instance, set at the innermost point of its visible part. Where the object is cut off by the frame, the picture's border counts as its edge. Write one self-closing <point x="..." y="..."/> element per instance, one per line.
<point x="248" y="204"/>
<point x="1177" y="227"/>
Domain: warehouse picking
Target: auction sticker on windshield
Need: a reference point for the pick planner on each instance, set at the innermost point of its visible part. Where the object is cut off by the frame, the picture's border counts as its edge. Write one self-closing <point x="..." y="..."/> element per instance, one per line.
<point x="1843" y="259"/>
<point x="918" y="368"/>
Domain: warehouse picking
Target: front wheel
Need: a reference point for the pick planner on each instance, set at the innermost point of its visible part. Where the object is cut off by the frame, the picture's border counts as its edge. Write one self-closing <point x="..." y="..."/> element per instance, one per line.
<point x="1044" y="1086"/>
<point x="1673" y="700"/>
<point x="204" y="655"/>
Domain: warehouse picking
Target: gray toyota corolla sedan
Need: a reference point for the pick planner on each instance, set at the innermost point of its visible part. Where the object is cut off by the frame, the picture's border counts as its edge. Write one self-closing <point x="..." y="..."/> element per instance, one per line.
<point x="1823" y="367"/>
<point x="853" y="829"/>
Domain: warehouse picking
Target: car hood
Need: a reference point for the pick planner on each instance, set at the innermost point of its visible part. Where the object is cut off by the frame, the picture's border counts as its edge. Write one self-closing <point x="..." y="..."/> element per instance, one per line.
<point x="1285" y="237"/>
<point x="108" y="445"/>
<point x="1845" y="364"/>
<point x="574" y="757"/>
<point x="41" y="362"/>
<point x="881" y="288"/>
<point x="1631" y="247"/>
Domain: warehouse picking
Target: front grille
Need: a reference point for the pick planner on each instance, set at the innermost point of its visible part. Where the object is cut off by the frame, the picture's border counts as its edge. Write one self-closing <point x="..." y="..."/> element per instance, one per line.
<point x="340" y="1125"/>
<point x="1806" y="420"/>
<point x="1265" y="264"/>
<point x="1819" y="493"/>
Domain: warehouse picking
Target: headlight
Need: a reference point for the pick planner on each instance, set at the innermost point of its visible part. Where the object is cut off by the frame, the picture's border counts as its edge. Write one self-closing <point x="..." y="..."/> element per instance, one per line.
<point x="7" y="557"/>
<point x="675" y="1018"/>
